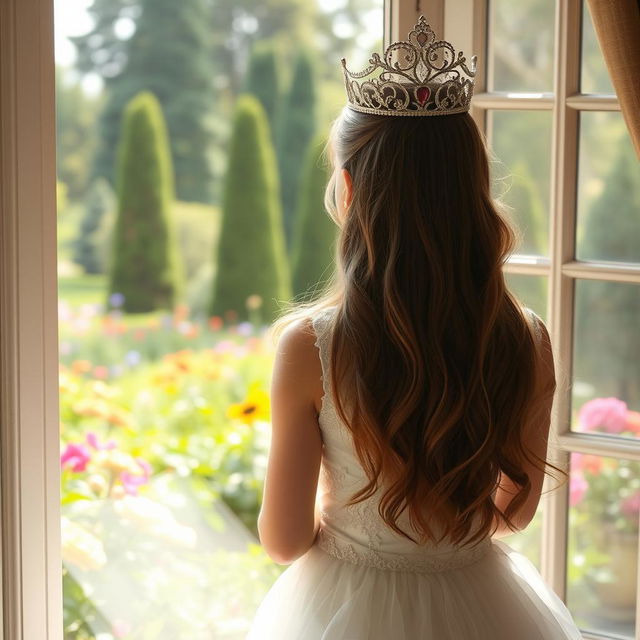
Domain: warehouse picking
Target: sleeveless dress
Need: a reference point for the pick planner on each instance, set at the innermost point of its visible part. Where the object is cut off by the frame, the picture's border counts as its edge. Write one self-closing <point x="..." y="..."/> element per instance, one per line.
<point x="363" y="581"/>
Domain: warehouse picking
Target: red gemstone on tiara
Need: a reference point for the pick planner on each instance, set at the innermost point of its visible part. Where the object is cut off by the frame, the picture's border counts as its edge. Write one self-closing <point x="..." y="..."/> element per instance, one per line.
<point x="422" y="95"/>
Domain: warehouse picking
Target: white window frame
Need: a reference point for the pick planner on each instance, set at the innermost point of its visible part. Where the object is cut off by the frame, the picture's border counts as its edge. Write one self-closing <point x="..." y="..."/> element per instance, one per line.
<point x="29" y="424"/>
<point x="30" y="562"/>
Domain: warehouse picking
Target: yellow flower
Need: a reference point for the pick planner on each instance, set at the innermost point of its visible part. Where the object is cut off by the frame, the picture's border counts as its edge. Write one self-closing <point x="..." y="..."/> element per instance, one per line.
<point x="67" y="383"/>
<point x="254" y="407"/>
<point x="115" y="461"/>
<point x="103" y="390"/>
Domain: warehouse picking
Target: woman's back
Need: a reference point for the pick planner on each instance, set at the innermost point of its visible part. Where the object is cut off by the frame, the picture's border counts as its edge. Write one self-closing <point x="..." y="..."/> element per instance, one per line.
<point x="356" y="532"/>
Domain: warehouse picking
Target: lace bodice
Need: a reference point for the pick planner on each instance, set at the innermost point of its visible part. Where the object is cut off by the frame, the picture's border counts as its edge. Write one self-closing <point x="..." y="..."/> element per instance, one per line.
<point x="357" y="533"/>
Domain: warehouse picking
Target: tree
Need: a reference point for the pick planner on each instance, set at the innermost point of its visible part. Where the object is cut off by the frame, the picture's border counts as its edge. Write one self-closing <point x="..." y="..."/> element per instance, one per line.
<point x="76" y="116"/>
<point x="296" y="127"/>
<point x="263" y="79"/>
<point x="607" y="344"/>
<point x="170" y="55"/>
<point x="524" y="198"/>
<point x="87" y="251"/>
<point x="145" y="267"/>
<point x="315" y="232"/>
<point x="251" y="252"/>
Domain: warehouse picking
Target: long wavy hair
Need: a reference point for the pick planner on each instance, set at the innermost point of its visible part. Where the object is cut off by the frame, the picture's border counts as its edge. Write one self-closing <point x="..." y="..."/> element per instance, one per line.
<point x="433" y="361"/>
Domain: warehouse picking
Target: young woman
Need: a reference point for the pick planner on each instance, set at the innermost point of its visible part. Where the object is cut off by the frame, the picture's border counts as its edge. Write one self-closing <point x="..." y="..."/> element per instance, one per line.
<point x="411" y="404"/>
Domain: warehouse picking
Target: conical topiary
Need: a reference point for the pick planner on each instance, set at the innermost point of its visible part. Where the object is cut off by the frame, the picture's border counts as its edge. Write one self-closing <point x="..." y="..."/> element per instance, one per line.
<point x="315" y="233"/>
<point x="251" y="252"/>
<point x="296" y="126"/>
<point x="145" y="266"/>
<point x="263" y="80"/>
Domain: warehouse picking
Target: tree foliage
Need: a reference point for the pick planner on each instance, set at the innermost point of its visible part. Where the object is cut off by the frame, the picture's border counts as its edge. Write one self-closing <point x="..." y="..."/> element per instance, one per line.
<point x="607" y="343"/>
<point x="296" y="127"/>
<point x="87" y="250"/>
<point x="263" y="79"/>
<point x="76" y="140"/>
<point x="251" y="255"/>
<point x="315" y="233"/>
<point x="170" y="55"/>
<point x="145" y="266"/>
<point x="531" y="224"/>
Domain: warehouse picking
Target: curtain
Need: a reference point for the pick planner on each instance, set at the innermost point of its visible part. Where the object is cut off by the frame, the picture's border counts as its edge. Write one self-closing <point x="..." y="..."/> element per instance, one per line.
<point x="617" y="25"/>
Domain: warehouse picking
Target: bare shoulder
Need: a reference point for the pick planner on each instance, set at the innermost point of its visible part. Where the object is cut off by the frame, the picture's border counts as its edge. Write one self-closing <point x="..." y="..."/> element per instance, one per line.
<point x="297" y="360"/>
<point x="298" y="337"/>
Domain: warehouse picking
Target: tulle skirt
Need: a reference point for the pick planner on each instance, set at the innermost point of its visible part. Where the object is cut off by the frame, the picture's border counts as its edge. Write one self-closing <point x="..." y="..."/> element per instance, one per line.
<point x="501" y="596"/>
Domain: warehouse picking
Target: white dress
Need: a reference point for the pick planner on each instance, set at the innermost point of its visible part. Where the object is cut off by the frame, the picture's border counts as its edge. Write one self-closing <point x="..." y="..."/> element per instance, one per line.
<point x="362" y="581"/>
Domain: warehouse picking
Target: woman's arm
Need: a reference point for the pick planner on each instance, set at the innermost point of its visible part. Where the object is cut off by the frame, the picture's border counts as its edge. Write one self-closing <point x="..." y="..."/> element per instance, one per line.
<point x="288" y="520"/>
<point x="535" y="438"/>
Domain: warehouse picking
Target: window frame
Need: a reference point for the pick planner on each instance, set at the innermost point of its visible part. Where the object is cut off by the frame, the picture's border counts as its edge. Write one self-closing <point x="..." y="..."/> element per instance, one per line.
<point x="467" y="24"/>
<point x="31" y="562"/>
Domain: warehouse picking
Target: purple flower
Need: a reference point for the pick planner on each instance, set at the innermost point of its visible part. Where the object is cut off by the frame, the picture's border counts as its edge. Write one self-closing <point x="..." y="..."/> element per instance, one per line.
<point x="92" y="441"/>
<point x="75" y="456"/>
<point x="131" y="481"/>
<point x="245" y="329"/>
<point x="609" y="414"/>
<point x="132" y="358"/>
<point x="116" y="299"/>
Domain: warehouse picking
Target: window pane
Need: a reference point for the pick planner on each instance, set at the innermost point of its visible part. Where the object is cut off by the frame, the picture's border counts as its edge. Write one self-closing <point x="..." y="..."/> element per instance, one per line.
<point x="521" y="172"/>
<point x="608" y="225"/>
<point x="530" y="290"/>
<point x="603" y="543"/>
<point x="594" y="77"/>
<point x="606" y="389"/>
<point x="528" y="542"/>
<point x="521" y="46"/>
<point x="164" y="357"/>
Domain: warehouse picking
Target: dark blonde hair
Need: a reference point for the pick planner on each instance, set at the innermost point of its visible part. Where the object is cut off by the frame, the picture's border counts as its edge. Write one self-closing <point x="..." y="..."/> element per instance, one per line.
<point x="433" y="361"/>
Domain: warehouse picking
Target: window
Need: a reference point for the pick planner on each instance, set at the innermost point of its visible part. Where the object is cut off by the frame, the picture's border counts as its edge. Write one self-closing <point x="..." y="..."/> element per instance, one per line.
<point x="576" y="271"/>
<point x="566" y="166"/>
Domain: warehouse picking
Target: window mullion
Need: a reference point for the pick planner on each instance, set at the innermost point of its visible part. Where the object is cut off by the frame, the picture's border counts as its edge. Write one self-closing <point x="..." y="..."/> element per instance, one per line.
<point x="403" y="16"/>
<point x="561" y="286"/>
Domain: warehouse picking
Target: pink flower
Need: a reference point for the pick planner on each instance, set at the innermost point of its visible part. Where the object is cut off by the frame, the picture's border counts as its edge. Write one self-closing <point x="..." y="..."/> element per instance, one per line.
<point x="121" y="628"/>
<point x="586" y="462"/>
<point x="631" y="506"/>
<point x="633" y="422"/>
<point x="101" y="372"/>
<point x="75" y="456"/>
<point x="609" y="414"/>
<point x="131" y="481"/>
<point x="92" y="441"/>
<point x="577" y="488"/>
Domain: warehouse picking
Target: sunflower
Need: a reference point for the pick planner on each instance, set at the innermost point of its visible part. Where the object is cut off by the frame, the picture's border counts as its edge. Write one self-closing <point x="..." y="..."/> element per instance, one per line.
<point x="254" y="407"/>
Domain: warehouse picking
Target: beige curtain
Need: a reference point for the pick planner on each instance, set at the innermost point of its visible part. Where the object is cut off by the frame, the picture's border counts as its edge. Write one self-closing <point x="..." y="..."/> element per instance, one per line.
<point x="617" y="24"/>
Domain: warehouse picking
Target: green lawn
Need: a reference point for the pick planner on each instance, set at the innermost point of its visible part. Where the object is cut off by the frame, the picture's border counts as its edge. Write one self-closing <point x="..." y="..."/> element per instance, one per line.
<point x="81" y="289"/>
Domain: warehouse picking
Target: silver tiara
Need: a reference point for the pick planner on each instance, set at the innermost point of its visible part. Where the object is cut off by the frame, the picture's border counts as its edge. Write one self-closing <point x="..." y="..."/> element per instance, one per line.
<point x="421" y="76"/>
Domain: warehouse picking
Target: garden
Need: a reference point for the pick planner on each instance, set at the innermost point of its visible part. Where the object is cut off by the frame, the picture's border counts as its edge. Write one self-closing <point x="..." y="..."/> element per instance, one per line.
<point x="164" y="429"/>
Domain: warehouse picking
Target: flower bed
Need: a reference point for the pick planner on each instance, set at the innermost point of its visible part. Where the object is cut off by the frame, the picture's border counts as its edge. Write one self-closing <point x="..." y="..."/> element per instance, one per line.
<point x="164" y="430"/>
